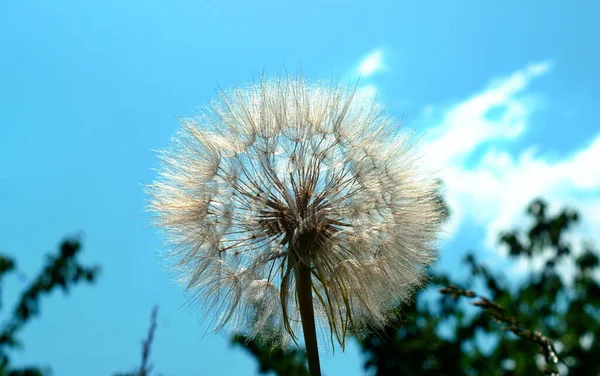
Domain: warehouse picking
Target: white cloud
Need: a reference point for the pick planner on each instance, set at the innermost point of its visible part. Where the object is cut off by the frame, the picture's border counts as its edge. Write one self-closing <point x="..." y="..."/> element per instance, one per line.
<point x="371" y="64"/>
<point x="363" y="72"/>
<point x="488" y="184"/>
<point x="469" y="124"/>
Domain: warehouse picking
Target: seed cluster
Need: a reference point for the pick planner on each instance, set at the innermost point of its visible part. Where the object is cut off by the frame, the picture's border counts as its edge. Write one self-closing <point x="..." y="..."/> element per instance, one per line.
<point x="288" y="172"/>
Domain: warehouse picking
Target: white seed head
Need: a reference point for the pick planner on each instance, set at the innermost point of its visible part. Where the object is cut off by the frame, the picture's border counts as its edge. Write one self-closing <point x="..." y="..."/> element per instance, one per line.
<point x="286" y="162"/>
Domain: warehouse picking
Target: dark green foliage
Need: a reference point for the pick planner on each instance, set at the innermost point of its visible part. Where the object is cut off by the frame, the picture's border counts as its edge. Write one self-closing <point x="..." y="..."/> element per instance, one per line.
<point x="60" y="270"/>
<point x="28" y="372"/>
<point x="413" y="346"/>
<point x="289" y="362"/>
<point x="545" y="305"/>
<point x="442" y="335"/>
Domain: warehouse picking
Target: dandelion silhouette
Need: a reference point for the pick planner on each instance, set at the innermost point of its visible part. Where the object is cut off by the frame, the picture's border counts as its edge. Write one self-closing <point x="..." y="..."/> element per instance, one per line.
<point x="291" y="204"/>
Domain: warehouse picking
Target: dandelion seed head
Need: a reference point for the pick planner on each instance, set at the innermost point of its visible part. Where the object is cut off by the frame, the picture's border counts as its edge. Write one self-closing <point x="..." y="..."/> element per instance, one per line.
<point x="287" y="172"/>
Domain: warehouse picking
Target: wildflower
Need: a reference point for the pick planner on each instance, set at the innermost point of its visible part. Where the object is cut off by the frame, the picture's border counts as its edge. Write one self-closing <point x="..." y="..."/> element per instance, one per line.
<point x="289" y="201"/>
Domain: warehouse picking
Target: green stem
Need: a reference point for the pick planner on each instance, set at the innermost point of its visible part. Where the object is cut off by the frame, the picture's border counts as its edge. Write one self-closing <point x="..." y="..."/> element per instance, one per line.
<point x="307" y="315"/>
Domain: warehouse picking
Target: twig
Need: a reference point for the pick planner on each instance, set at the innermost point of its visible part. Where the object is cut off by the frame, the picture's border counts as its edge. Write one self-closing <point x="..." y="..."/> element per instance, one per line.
<point x="145" y="368"/>
<point x="512" y="324"/>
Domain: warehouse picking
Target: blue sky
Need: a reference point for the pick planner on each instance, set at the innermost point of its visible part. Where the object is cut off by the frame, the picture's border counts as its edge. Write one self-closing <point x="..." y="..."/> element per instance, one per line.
<point x="504" y="95"/>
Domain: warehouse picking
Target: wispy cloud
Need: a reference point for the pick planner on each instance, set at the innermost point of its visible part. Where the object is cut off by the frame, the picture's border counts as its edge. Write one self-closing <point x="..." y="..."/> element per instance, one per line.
<point x="364" y="71"/>
<point x="371" y="64"/>
<point x="473" y="121"/>
<point x="488" y="184"/>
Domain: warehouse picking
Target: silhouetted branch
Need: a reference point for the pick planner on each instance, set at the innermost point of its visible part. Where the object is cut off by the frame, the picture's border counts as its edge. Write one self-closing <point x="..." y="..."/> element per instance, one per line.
<point x="61" y="270"/>
<point x="146" y="344"/>
<point x="512" y="324"/>
<point x="145" y="367"/>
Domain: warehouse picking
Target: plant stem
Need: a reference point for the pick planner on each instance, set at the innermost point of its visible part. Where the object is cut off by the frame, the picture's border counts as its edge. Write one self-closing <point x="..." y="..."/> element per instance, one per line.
<point x="307" y="315"/>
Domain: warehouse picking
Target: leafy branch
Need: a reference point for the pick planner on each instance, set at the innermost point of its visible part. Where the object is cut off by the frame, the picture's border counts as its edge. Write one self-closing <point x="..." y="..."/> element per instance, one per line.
<point x="61" y="270"/>
<point x="512" y="324"/>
